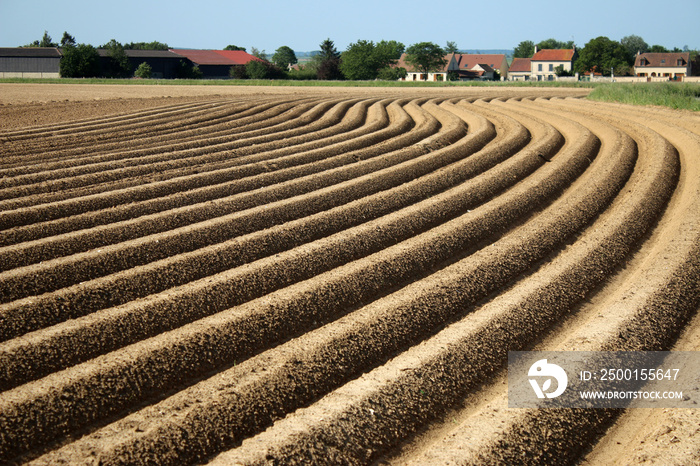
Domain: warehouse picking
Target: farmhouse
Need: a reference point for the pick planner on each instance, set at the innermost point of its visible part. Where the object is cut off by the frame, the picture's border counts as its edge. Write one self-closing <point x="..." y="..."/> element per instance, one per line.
<point x="544" y="63"/>
<point x="29" y="62"/>
<point x="486" y="65"/>
<point x="216" y="63"/>
<point x="520" y="69"/>
<point x="663" y="65"/>
<point x="417" y="75"/>
<point x="464" y="66"/>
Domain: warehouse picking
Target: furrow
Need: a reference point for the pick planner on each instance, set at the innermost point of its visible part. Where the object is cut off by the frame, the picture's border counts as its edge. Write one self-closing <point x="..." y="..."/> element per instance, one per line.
<point x="248" y="152"/>
<point x="252" y="159"/>
<point x="215" y="184"/>
<point x="347" y="287"/>
<point x="32" y="313"/>
<point x="81" y="153"/>
<point x="301" y="264"/>
<point x="306" y="195"/>
<point x="77" y="125"/>
<point x="390" y="403"/>
<point x="93" y="173"/>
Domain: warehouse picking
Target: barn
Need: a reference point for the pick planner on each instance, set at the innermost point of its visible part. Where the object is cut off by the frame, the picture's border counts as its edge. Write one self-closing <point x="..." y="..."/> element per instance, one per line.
<point x="29" y="62"/>
<point x="163" y="63"/>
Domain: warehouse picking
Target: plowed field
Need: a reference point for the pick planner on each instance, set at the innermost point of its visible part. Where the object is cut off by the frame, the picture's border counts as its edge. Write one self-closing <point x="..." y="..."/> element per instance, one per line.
<point x="288" y="276"/>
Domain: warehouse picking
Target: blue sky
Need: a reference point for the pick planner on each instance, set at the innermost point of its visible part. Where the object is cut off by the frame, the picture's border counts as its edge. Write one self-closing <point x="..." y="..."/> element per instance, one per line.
<point x="304" y="24"/>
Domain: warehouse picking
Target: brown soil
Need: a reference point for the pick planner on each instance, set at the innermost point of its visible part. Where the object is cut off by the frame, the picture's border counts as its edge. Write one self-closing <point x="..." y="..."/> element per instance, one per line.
<point x="275" y="275"/>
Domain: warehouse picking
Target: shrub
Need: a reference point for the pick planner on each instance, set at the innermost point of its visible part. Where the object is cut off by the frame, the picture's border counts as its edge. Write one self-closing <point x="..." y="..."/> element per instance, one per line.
<point x="143" y="71"/>
<point x="184" y="71"/>
<point x="392" y="74"/>
<point x="256" y="69"/>
<point x="237" y="72"/>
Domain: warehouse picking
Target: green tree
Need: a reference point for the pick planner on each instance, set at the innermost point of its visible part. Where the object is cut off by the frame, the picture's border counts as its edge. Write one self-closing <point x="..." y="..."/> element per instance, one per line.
<point x="364" y="60"/>
<point x="555" y="44"/>
<point x="525" y="49"/>
<point x="634" y="44"/>
<point x="155" y="45"/>
<point x="260" y="69"/>
<point x="284" y="57"/>
<point x="386" y="55"/>
<point x="143" y="71"/>
<point x="602" y="54"/>
<point x="67" y="39"/>
<point x="328" y="62"/>
<point x="80" y="61"/>
<point x="256" y="69"/>
<point x="451" y="47"/>
<point x="426" y="57"/>
<point x="388" y="52"/>
<point x="45" y="41"/>
<point x="392" y="74"/>
<point x="118" y="65"/>
<point x="359" y="61"/>
<point x="258" y="53"/>
<point x="234" y="47"/>
<point x="658" y="49"/>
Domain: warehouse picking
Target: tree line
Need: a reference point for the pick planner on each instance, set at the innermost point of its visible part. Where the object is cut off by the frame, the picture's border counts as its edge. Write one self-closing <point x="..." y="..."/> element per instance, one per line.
<point x="362" y="60"/>
<point x="604" y="55"/>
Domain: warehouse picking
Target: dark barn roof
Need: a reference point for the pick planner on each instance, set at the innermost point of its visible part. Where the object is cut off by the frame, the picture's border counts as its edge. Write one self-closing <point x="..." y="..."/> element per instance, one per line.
<point x="30" y="52"/>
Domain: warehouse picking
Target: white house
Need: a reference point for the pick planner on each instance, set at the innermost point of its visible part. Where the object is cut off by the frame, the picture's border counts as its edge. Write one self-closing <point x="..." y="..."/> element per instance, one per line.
<point x="544" y="63"/>
<point x="464" y="65"/>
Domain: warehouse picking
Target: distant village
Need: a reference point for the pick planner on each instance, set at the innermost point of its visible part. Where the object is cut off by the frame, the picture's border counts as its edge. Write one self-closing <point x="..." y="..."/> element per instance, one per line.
<point x="543" y="65"/>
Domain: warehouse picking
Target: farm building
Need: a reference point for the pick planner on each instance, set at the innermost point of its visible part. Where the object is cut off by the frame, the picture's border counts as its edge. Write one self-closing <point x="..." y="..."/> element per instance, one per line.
<point x="520" y="70"/>
<point x="163" y="63"/>
<point x="416" y="75"/>
<point x="465" y="66"/>
<point x="663" y="65"/>
<point x="216" y="63"/>
<point x="544" y="63"/>
<point x="481" y="65"/>
<point x="29" y="62"/>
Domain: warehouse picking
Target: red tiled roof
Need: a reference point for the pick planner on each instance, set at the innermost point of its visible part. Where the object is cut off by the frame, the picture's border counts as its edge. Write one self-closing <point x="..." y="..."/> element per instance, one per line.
<point x="470" y="60"/>
<point x="520" y="65"/>
<point x="669" y="59"/>
<point x="238" y="56"/>
<point x="554" y="55"/>
<point x="216" y="57"/>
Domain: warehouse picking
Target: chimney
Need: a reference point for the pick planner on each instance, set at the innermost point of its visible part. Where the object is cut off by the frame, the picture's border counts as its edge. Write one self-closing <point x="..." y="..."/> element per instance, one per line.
<point x="535" y="50"/>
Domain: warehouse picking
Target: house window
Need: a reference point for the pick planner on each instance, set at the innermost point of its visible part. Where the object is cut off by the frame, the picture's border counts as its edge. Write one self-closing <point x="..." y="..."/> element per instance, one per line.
<point x="663" y="62"/>
<point x="539" y="67"/>
<point x="680" y="62"/>
<point x="551" y="67"/>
